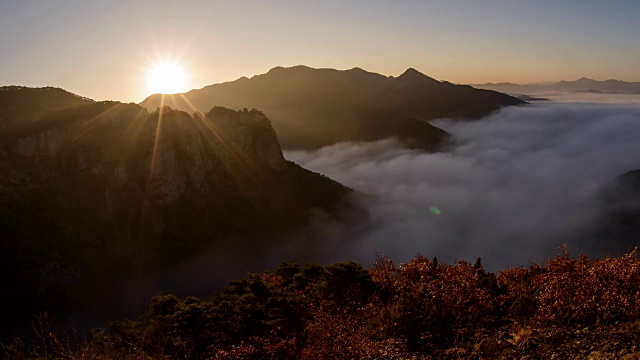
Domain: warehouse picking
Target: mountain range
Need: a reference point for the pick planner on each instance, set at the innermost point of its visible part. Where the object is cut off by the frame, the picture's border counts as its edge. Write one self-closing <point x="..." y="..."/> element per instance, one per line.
<point x="581" y="85"/>
<point x="311" y="108"/>
<point x="100" y="200"/>
<point x="99" y="196"/>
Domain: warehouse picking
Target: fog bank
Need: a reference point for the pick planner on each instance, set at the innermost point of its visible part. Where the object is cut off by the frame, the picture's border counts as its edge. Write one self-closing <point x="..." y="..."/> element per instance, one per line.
<point x="514" y="187"/>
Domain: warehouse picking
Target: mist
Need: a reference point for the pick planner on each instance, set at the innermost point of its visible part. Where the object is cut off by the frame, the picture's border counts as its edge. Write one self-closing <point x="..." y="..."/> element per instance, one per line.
<point x="513" y="188"/>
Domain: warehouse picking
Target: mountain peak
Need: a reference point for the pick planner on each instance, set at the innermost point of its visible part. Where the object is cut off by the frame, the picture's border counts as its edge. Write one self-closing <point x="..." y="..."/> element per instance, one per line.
<point x="414" y="74"/>
<point x="280" y="69"/>
<point x="358" y="69"/>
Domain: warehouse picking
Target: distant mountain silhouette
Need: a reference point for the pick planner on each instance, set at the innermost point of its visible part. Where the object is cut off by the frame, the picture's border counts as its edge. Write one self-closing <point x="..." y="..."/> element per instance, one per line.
<point x="93" y="195"/>
<point x="316" y="107"/>
<point x="530" y="98"/>
<point x="22" y="104"/>
<point x="581" y="85"/>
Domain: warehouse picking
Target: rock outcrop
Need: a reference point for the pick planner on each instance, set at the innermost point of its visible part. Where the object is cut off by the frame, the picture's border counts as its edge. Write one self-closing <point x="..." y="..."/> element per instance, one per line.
<point x="248" y="133"/>
<point x="122" y="145"/>
<point x="96" y="194"/>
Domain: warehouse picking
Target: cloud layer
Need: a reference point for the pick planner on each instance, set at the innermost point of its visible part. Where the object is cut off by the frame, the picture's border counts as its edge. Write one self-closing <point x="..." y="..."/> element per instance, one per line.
<point x="514" y="187"/>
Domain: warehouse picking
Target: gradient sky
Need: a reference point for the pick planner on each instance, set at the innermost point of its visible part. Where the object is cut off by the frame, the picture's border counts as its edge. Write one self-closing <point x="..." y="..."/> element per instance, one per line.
<point x="101" y="49"/>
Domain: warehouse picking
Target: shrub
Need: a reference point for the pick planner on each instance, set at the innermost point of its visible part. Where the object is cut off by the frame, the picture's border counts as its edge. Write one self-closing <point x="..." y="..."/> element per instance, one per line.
<point x="581" y="291"/>
<point x="433" y="304"/>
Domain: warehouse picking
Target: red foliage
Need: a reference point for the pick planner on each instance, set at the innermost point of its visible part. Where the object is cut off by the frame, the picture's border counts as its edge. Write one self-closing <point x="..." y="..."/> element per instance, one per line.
<point x="431" y="303"/>
<point x="582" y="291"/>
<point x="276" y="346"/>
<point x="344" y="311"/>
<point x="348" y="335"/>
<point x="514" y="282"/>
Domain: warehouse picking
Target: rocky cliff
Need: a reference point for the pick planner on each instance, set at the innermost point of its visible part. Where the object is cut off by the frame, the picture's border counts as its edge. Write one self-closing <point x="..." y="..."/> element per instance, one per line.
<point x="108" y="191"/>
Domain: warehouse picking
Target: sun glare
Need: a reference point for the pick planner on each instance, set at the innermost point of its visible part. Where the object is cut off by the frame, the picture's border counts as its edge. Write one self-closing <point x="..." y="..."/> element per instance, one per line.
<point x="167" y="77"/>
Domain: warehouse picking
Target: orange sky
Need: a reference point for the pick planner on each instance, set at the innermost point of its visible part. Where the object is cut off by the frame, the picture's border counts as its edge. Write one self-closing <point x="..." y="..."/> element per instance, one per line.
<point x="103" y="50"/>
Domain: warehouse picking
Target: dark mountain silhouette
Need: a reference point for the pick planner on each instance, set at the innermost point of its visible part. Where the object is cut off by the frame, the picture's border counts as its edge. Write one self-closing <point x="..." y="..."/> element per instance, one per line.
<point x="581" y="85"/>
<point x="316" y="107"/>
<point x="23" y="104"/>
<point x="530" y="98"/>
<point x="621" y="222"/>
<point x="106" y="195"/>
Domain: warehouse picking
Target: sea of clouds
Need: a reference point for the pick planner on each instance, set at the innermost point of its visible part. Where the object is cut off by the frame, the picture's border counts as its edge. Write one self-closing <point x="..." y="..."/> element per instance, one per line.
<point x="512" y="189"/>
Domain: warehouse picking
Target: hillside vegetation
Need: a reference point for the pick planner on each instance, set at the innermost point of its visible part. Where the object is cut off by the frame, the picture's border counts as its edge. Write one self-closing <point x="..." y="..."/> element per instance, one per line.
<point x="568" y="307"/>
<point x="21" y="104"/>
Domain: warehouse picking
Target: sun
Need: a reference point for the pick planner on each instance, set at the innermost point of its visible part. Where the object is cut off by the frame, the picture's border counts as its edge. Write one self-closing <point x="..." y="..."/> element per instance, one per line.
<point x="167" y="77"/>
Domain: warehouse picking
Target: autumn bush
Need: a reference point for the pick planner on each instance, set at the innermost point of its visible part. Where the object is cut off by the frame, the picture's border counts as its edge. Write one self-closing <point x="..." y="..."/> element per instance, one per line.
<point x="517" y="298"/>
<point x="346" y="311"/>
<point x="583" y="291"/>
<point x="432" y="303"/>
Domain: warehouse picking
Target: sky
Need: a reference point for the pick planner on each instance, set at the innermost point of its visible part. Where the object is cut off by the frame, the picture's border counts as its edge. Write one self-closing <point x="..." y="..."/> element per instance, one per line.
<point x="103" y="49"/>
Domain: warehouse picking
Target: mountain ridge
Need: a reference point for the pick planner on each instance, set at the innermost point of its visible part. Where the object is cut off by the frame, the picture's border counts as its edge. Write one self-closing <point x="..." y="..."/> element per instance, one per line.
<point x="310" y="108"/>
<point x="108" y="193"/>
<point x="22" y="103"/>
<point x="584" y="84"/>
